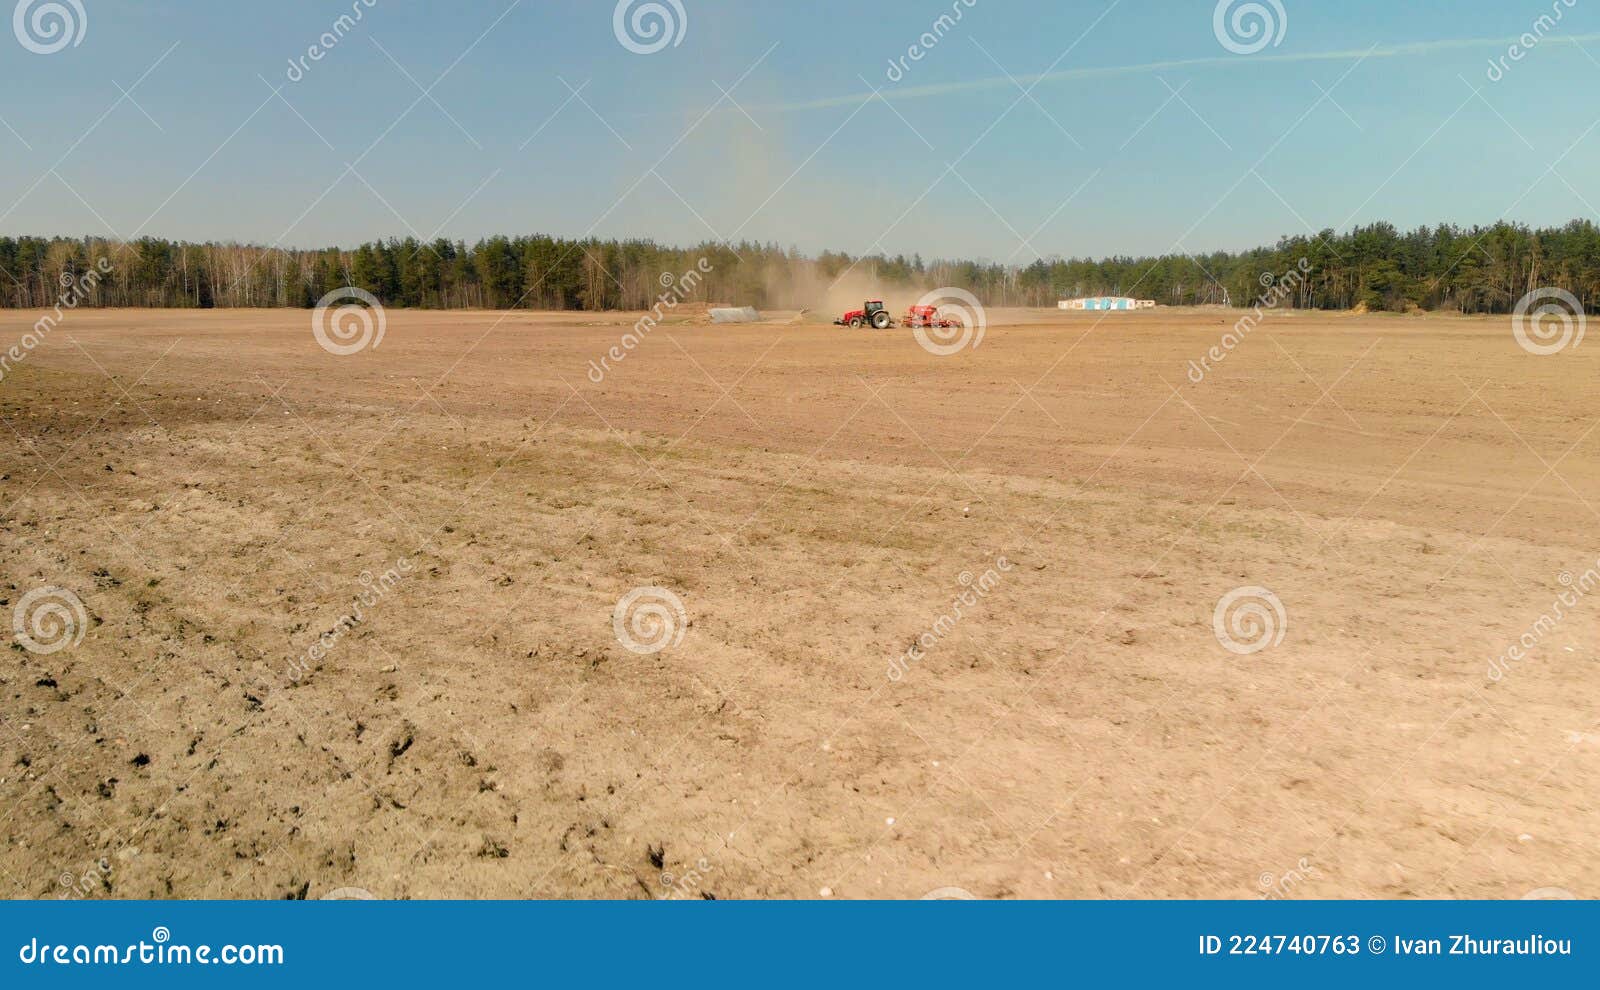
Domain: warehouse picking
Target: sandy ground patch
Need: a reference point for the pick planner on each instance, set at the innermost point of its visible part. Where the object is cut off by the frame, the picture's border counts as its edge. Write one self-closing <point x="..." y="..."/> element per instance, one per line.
<point x="217" y="491"/>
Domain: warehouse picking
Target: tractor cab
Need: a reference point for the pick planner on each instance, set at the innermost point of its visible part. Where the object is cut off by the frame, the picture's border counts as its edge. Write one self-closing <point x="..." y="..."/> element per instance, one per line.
<point x="871" y="314"/>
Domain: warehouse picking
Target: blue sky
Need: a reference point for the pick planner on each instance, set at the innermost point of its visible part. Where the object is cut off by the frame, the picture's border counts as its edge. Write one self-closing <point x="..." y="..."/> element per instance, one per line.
<point x="1146" y="134"/>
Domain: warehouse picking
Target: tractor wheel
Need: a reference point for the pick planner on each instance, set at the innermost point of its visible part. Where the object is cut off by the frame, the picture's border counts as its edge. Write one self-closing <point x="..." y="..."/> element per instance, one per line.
<point x="881" y="320"/>
<point x="855" y="324"/>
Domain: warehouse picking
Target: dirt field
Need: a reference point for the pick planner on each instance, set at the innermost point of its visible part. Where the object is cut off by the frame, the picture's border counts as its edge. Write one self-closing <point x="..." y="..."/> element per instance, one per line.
<point x="219" y="492"/>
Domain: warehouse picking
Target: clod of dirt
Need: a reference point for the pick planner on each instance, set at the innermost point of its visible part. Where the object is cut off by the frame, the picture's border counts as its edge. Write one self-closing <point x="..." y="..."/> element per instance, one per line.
<point x="142" y="760"/>
<point x="657" y="854"/>
<point x="398" y="748"/>
<point x="493" y="848"/>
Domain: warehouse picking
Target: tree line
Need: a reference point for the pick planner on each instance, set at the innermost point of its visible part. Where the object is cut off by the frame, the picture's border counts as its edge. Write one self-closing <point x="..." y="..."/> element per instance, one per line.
<point x="1377" y="267"/>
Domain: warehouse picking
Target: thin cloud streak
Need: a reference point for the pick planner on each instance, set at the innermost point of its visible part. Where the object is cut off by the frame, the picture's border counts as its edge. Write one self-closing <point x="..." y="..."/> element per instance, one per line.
<point x="1420" y="48"/>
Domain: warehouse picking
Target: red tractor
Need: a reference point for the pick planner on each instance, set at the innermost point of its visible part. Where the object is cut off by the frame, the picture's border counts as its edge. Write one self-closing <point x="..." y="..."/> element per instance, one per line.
<point x="929" y="316"/>
<point x="872" y="313"/>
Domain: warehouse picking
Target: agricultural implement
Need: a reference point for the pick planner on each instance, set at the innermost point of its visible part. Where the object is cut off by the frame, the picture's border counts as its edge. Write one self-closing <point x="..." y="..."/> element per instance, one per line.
<point x="929" y="317"/>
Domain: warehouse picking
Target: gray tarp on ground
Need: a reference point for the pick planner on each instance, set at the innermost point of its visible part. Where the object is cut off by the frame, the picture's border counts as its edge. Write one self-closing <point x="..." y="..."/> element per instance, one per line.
<point x="743" y="314"/>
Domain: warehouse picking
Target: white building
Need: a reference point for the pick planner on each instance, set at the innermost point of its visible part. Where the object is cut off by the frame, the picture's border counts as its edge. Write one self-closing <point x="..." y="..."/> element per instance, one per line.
<point x="1107" y="303"/>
